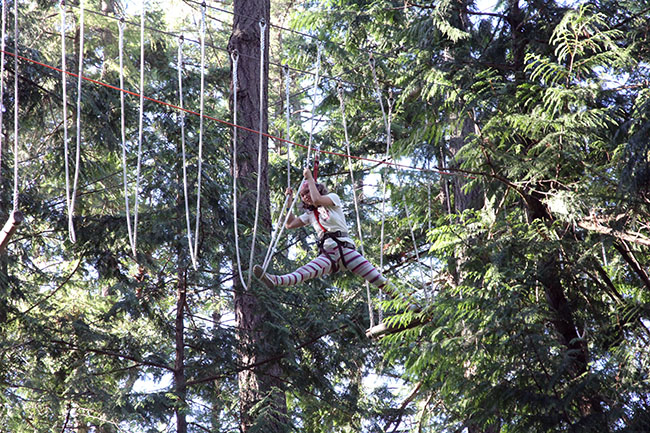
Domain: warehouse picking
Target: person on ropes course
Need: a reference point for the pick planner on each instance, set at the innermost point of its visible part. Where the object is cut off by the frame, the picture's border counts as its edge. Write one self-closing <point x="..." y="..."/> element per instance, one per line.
<point x="324" y="212"/>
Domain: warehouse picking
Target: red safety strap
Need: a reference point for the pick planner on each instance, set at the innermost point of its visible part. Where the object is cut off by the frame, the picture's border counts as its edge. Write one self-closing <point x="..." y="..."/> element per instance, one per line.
<point x="318" y="220"/>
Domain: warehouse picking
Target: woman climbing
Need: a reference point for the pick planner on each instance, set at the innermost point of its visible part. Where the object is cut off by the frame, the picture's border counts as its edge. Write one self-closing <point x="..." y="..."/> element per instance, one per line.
<point x="325" y="213"/>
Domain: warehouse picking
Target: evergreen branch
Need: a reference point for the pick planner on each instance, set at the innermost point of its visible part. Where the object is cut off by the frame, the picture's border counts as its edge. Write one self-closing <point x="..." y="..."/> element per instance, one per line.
<point x="628" y="256"/>
<point x="402" y="408"/>
<point x="74" y="347"/>
<point x="267" y="360"/>
<point x="594" y="224"/>
<point x="65" y="281"/>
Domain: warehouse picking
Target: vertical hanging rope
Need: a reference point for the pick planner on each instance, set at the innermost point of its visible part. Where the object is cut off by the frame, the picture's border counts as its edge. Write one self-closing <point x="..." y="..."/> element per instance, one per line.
<point x="64" y="86"/>
<point x="313" y="106"/>
<point x="121" y="25"/>
<point x="134" y="242"/>
<point x="15" y="195"/>
<point x="69" y="195"/>
<point x="356" y="203"/>
<point x="384" y="171"/>
<point x="2" y="69"/>
<point x="181" y="40"/>
<point x="279" y="228"/>
<point x="194" y="250"/>
<point x="262" y="25"/>
<point x="234" y="56"/>
<point x="415" y="245"/>
<point x="287" y="107"/>
<point x="388" y="143"/>
<point x="73" y="195"/>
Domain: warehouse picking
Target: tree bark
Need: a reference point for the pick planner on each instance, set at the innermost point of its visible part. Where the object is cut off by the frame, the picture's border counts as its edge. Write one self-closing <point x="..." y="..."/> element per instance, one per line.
<point x="262" y="403"/>
<point x="548" y="272"/>
<point x="179" y="364"/>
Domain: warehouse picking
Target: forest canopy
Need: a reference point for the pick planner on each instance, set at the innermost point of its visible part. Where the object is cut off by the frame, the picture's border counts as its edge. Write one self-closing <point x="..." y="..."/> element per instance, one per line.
<point x="493" y="162"/>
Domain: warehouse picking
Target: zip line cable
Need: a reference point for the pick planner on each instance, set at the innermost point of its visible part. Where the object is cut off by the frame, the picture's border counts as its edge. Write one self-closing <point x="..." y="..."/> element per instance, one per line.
<point x="450" y="172"/>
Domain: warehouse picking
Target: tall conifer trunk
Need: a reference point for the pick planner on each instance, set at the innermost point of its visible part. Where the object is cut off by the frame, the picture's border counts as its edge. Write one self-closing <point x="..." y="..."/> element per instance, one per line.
<point x="260" y="378"/>
<point x="179" y="364"/>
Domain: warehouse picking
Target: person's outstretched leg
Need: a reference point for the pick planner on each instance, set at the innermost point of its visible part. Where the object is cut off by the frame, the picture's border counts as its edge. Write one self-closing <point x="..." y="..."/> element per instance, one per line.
<point x="321" y="265"/>
<point x="359" y="265"/>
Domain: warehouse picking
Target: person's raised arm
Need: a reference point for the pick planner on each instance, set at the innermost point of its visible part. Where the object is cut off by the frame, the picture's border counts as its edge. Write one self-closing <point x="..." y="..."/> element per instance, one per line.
<point x="293" y="222"/>
<point x="316" y="197"/>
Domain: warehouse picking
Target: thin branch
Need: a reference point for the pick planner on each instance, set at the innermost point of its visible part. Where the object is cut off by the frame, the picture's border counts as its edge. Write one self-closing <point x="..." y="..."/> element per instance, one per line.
<point x="403" y="406"/>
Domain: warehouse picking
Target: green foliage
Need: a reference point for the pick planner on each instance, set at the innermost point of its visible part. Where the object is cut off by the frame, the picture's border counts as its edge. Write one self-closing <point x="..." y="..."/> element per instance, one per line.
<point x="533" y="129"/>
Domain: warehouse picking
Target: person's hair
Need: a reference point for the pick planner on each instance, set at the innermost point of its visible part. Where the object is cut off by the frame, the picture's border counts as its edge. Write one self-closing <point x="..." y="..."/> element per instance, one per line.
<point x="322" y="189"/>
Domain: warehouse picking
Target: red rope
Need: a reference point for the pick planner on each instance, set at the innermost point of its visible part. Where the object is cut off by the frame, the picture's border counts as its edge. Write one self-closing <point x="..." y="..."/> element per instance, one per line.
<point x="273" y="137"/>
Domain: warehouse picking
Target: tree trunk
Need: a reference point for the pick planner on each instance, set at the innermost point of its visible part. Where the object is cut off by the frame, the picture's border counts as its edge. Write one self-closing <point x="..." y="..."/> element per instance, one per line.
<point x="548" y="271"/>
<point x="179" y="364"/>
<point x="262" y="403"/>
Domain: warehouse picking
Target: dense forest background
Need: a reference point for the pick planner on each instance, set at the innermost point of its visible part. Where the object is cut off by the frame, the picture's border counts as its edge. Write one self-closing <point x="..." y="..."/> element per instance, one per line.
<point x="501" y="176"/>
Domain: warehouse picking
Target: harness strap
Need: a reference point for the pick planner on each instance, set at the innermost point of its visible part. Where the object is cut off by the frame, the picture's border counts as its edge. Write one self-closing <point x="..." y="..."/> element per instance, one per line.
<point x="339" y="245"/>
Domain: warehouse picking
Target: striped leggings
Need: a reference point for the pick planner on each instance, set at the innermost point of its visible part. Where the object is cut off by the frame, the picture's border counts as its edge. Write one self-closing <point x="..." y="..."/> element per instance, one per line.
<point x="322" y="265"/>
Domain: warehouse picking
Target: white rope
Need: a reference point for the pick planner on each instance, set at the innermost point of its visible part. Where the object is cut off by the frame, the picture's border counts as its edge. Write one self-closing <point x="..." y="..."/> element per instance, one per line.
<point x="356" y="204"/>
<point x="64" y="85"/>
<point x="134" y="241"/>
<point x="182" y="115"/>
<point x="384" y="171"/>
<point x="287" y="134"/>
<point x="2" y="68"/>
<point x="69" y="195"/>
<point x="388" y="143"/>
<point x="415" y="245"/>
<point x="279" y="228"/>
<point x="313" y="106"/>
<point x="194" y="250"/>
<point x="262" y="25"/>
<point x="121" y="25"/>
<point x="73" y="195"/>
<point x="387" y="122"/>
<point x="15" y="196"/>
<point x="235" y="61"/>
